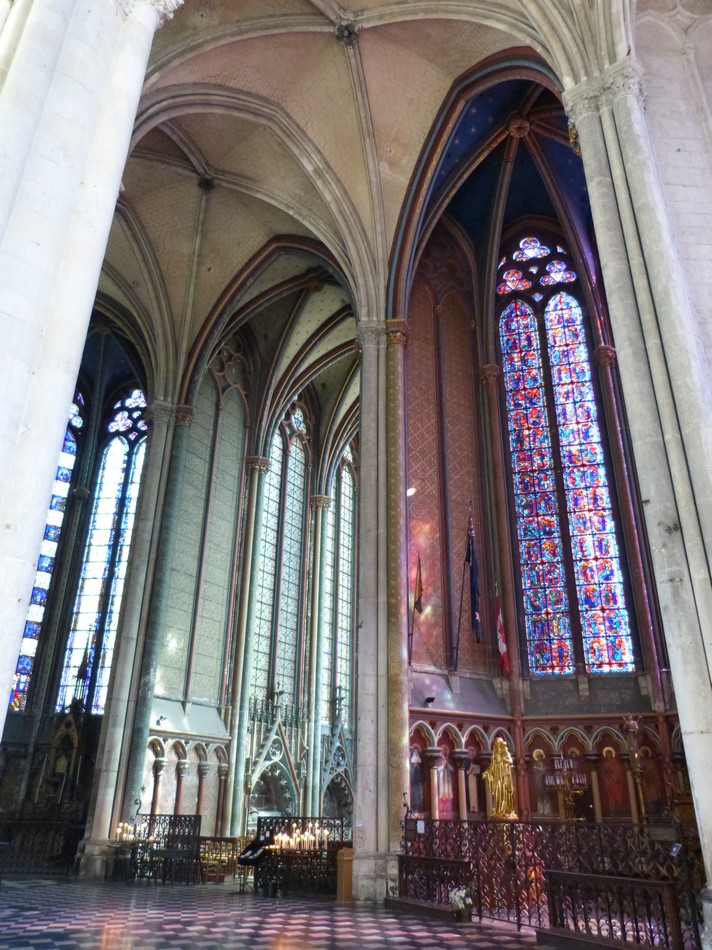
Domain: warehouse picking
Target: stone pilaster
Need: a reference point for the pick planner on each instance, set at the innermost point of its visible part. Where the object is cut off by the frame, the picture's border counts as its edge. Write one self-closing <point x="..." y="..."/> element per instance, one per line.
<point x="371" y="814"/>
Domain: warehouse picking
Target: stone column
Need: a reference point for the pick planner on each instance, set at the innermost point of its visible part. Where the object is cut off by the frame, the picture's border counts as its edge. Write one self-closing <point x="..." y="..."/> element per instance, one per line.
<point x="220" y="804"/>
<point x="462" y="761"/>
<point x="371" y="814"/>
<point x="318" y="503"/>
<point x="234" y="819"/>
<point x="670" y="505"/>
<point x="203" y="771"/>
<point x="398" y="732"/>
<point x="593" y="760"/>
<point x="181" y="770"/>
<point x="73" y="148"/>
<point x="159" y="766"/>
<point x="431" y="757"/>
<point x="632" y="794"/>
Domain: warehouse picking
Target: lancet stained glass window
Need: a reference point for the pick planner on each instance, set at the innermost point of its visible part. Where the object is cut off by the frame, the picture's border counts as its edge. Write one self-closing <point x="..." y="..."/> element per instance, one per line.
<point x="280" y="565"/>
<point x="92" y="632"/>
<point x="46" y="561"/>
<point x="338" y="590"/>
<point x="553" y="424"/>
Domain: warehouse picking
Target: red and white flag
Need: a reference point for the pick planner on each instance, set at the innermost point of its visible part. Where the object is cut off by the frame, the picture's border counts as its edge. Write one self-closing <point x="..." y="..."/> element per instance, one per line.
<point x="501" y="640"/>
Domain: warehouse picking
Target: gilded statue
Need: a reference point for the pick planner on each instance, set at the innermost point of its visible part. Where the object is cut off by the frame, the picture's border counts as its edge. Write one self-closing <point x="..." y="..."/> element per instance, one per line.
<point x="499" y="778"/>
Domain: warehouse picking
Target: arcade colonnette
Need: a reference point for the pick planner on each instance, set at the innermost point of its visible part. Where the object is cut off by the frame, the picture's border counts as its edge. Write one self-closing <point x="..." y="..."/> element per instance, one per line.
<point x="372" y="342"/>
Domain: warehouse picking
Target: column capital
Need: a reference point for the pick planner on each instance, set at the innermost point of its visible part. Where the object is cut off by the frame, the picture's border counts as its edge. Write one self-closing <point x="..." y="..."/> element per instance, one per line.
<point x="203" y="768"/>
<point x="257" y="463"/>
<point x="490" y="374"/>
<point x="159" y="764"/>
<point x="431" y="755"/>
<point x="182" y="766"/>
<point x="583" y="99"/>
<point x="320" y="501"/>
<point x="370" y="333"/>
<point x="164" y="8"/>
<point x="396" y="332"/>
<point x="462" y="758"/>
<point x="183" y="415"/>
<point x="624" y="79"/>
<point x="605" y="355"/>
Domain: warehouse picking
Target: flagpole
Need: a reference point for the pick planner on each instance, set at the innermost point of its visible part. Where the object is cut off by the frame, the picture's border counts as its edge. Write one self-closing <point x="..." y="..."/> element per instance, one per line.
<point x="459" y="619"/>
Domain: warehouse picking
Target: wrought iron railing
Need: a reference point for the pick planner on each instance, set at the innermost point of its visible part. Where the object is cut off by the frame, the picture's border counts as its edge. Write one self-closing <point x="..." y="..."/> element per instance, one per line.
<point x="504" y="862"/>
<point x="39" y="846"/>
<point x="620" y="909"/>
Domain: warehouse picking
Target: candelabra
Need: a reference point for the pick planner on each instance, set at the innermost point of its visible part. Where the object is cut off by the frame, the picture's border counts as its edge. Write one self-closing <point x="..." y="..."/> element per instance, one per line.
<point x="568" y="781"/>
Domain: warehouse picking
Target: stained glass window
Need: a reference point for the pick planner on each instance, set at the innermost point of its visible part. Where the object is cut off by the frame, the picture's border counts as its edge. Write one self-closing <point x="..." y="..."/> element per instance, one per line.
<point x="560" y="481"/>
<point x="344" y="628"/>
<point x="280" y="566"/>
<point x="92" y="632"/>
<point x="338" y="588"/>
<point x="267" y="569"/>
<point x="292" y="558"/>
<point x="327" y="613"/>
<point x="46" y="561"/>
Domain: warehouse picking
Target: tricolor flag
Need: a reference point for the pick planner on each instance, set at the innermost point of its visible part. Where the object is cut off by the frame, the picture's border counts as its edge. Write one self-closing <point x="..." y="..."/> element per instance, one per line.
<point x="501" y="639"/>
<point x="471" y="559"/>
<point x="418" y="593"/>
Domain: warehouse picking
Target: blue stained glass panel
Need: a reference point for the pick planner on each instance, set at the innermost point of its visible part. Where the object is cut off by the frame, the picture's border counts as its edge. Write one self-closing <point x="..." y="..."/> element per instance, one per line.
<point x="605" y="627"/>
<point x="540" y="547"/>
<point x="45" y="563"/>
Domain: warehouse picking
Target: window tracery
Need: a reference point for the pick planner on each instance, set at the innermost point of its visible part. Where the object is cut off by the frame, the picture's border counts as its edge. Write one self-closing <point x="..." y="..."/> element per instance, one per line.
<point x="570" y="566"/>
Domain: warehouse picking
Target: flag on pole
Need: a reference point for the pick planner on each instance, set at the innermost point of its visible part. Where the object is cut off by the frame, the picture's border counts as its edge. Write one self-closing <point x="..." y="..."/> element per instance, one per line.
<point x="501" y="639"/>
<point x="418" y="594"/>
<point x="471" y="559"/>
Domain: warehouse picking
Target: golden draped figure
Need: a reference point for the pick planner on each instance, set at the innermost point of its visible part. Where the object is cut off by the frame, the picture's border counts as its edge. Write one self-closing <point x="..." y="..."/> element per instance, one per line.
<point x="499" y="779"/>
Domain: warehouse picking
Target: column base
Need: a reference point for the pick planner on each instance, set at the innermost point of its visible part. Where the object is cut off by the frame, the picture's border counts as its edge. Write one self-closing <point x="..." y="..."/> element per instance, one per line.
<point x="96" y="861"/>
<point x="375" y="876"/>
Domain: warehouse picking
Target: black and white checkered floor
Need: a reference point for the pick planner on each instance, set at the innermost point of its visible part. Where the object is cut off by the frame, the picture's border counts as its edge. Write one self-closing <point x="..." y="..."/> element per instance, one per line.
<point x="44" y="914"/>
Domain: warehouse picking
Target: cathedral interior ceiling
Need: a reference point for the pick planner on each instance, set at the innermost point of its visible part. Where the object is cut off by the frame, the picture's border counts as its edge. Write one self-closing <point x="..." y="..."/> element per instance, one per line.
<point x="299" y="118"/>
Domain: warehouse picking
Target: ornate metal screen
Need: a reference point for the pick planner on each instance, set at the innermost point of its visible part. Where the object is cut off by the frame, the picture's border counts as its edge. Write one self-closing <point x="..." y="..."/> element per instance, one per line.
<point x="505" y="862"/>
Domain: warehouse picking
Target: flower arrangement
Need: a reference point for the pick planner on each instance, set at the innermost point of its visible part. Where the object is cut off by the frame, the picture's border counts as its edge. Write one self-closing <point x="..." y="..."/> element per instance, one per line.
<point x="461" y="898"/>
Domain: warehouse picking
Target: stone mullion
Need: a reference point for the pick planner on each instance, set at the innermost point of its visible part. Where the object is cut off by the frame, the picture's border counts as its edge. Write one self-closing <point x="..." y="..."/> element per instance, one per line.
<point x="233" y="816"/>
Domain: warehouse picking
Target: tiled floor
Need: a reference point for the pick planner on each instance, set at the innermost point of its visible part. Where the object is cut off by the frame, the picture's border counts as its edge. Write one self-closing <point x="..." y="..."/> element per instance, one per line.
<point x="57" y="913"/>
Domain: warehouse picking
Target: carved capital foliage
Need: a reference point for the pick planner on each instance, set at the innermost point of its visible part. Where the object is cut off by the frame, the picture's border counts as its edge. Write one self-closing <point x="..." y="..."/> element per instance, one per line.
<point x="489" y="374"/>
<point x="370" y="334"/>
<point x="605" y="355"/>
<point x="583" y="100"/>
<point x="257" y="463"/>
<point x="183" y="415"/>
<point x="159" y="411"/>
<point x="320" y="501"/>
<point x="624" y="80"/>
<point x="396" y="332"/>
<point x="164" y="8"/>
